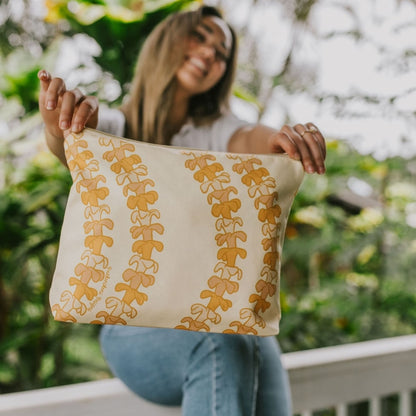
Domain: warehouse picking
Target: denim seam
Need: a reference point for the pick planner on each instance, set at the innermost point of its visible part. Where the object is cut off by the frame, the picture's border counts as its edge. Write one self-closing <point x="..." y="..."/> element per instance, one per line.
<point x="215" y="377"/>
<point x="256" y="369"/>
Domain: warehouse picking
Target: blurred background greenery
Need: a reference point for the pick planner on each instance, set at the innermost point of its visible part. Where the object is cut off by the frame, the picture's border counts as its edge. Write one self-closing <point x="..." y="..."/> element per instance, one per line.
<point x="350" y="247"/>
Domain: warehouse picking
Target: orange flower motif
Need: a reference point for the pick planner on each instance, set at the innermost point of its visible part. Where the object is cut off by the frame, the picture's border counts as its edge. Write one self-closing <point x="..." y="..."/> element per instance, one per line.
<point x="216" y="301"/>
<point x="129" y="170"/>
<point x="255" y="176"/>
<point x="241" y="329"/>
<point x="246" y="165"/>
<point x="261" y="304"/>
<point x="221" y="195"/>
<point x="137" y="279"/>
<point x="82" y="289"/>
<point x="87" y="273"/>
<point x="97" y="226"/>
<point x="96" y="242"/>
<point x="200" y="161"/>
<point x="80" y="160"/>
<point x="260" y="182"/>
<point x="269" y="243"/>
<point x="208" y="172"/>
<point x="226" y="208"/>
<point x="94" y="196"/>
<point x="119" y="153"/>
<point x="271" y="259"/>
<point x="146" y="231"/>
<point x="270" y="214"/>
<point x="265" y="288"/>
<point x="213" y="178"/>
<point x="141" y="201"/>
<point x="61" y="315"/>
<point x="131" y="294"/>
<point x="138" y="188"/>
<point x="94" y="265"/>
<point x="222" y="285"/>
<point x="108" y="319"/>
<point x="230" y="238"/>
<point x="126" y="164"/>
<point x="194" y="325"/>
<point x="230" y="254"/>
<point x="145" y="248"/>
<point x="266" y="200"/>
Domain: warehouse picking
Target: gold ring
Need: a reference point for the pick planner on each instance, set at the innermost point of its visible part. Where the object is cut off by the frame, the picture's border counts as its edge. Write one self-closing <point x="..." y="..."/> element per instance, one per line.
<point x="311" y="130"/>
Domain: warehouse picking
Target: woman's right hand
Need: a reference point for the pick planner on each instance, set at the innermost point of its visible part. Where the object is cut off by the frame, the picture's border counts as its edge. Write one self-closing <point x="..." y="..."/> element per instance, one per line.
<point x="65" y="110"/>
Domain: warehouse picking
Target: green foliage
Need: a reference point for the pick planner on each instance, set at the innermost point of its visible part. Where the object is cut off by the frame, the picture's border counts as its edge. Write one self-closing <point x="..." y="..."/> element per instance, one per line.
<point x="347" y="275"/>
<point x="19" y="82"/>
<point x="33" y="348"/>
<point x="23" y="85"/>
<point x="119" y="29"/>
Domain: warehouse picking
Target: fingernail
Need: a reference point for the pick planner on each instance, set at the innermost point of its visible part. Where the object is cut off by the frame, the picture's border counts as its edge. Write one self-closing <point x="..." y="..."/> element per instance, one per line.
<point x="310" y="169"/>
<point x="64" y="125"/>
<point x="76" y="128"/>
<point x="50" y="105"/>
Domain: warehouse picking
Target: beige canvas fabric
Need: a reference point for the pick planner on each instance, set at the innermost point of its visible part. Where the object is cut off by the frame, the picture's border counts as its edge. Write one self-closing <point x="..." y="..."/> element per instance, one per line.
<point x="171" y="237"/>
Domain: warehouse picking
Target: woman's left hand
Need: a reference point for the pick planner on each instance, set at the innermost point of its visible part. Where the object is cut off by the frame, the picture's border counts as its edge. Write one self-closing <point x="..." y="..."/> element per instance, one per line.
<point x="302" y="142"/>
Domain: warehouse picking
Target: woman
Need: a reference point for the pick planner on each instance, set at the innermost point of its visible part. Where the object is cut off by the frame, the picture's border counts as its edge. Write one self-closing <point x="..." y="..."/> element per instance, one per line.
<point x="179" y="96"/>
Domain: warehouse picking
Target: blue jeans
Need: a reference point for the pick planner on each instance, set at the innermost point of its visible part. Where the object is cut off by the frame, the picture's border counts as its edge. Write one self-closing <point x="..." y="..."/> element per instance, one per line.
<point x="208" y="374"/>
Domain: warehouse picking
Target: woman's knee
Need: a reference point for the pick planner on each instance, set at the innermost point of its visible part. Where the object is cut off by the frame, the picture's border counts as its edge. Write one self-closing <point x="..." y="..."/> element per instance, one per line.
<point x="237" y="353"/>
<point x="223" y="373"/>
<point x="243" y="347"/>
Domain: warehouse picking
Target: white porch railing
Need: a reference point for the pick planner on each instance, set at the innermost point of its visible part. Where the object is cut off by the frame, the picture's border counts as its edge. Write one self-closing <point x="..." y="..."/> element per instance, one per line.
<point x="345" y="374"/>
<point x="332" y="377"/>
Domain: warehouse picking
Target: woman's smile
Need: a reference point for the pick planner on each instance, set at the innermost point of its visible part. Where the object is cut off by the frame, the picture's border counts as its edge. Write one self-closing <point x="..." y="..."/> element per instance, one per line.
<point x="199" y="64"/>
<point x="206" y="54"/>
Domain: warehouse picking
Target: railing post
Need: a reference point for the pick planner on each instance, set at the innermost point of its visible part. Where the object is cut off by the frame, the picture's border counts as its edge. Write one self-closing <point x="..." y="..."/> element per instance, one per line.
<point x="342" y="409"/>
<point x="405" y="403"/>
<point x="375" y="408"/>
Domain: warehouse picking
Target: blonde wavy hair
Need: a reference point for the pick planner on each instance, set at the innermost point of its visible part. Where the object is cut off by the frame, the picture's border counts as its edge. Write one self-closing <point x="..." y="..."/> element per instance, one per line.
<point x="151" y="98"/>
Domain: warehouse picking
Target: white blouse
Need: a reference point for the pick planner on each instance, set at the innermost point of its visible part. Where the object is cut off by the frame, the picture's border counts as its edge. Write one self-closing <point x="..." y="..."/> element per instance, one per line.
<point x="213" y="136"/>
